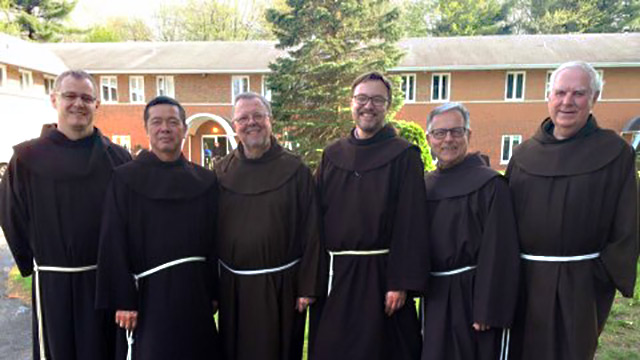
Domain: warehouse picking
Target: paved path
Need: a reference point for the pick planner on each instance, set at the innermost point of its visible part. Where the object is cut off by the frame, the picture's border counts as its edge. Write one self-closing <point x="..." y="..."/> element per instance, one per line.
<point x="15" y="318"/>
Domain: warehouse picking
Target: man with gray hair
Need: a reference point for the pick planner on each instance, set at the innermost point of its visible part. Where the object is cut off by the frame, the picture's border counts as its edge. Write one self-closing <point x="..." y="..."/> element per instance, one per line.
<point x="268" y="241"/>
<point x="50" y="210"/>
<point x="474" y="247"/>
<point x="575" y="198"/>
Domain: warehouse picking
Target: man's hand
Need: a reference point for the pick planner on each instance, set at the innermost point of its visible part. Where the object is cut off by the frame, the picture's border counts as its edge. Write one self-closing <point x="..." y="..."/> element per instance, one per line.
<point x="303" y="303"/>
<point x="127" y="319"/>
<point x="394" y="301"/>
<point x="480" y="327"/>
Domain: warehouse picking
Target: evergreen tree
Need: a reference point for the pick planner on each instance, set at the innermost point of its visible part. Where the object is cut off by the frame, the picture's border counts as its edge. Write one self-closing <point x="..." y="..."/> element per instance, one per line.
<point x="41" y="20"/>
<point x="329" y="43"/>
<point x="577" y="16"/>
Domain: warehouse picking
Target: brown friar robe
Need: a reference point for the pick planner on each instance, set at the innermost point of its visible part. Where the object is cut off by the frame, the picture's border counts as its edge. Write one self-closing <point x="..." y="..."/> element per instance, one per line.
<point x="471" y="224"/>
<point x="372" y="198"/>
<point x="572" y="197"/>
<point x="268" y="219"/>
<point x="50" y="209"/>
<point x="157" y="212"/>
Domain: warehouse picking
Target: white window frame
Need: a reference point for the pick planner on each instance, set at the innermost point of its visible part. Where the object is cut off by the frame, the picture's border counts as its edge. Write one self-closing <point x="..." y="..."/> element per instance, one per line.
<point x="26" y="79"/>
<point x="515" y="81"/>
<point x="511" y="137"/>
<point x="441" y="99"/>
<point x="266" y="92"/>
<point x="136" y="87"/>
<point x="409" y="97"/>
<point x="111" y="82"/>
<point x="239" y="78"/>
<point x="49" y="81"/>
<point x="3" y="75"/>
<point x="167" y="80"/>
<point x="601" y="73"/>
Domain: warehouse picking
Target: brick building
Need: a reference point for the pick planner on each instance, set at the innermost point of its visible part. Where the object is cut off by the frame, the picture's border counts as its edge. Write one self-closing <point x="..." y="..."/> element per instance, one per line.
<point x="502" y="79"/>
<point x="27" y="73"/>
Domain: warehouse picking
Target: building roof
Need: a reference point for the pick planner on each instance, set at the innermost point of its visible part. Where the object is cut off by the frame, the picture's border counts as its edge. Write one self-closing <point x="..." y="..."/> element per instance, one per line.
<point x="422" y="54"/>
<point x="28" y="55"/>
<point x="520" y="51"/>
<point x="169" y="57"/>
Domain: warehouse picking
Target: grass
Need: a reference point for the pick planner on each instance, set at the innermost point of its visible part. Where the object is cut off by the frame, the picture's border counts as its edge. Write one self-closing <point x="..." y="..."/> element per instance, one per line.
<point x="620" y="339"/>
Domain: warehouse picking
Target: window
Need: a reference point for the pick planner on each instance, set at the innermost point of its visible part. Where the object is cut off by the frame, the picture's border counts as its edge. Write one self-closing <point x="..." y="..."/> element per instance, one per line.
<point x="266" y="92"/>
<point x="109" y="89"/>
<point x="409" y="87"/>
<point x="26" y="79"/>
<point x="3" y="75"/>
<point x="165" y="86"/>
<point x="239" y="84"/>
<point x="136" y="89"/>
<point x="440" y="86"/>
<point x="515" y="86"/>
<point x="122" y="140"/>
<point x="48" y="84"/>
<point x="509" y="142"/>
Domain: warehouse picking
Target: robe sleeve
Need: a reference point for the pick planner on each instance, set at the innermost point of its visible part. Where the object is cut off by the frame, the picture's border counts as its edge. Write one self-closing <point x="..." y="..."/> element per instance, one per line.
<point x="620" y="254"/>
<point x="212" y="258"/>
<point x="116" y="288"/>
<point x="311" y="282"/>
<point x="409" y="264"/>
<point x="496" y="282"/>
<point x="14" y="216"/>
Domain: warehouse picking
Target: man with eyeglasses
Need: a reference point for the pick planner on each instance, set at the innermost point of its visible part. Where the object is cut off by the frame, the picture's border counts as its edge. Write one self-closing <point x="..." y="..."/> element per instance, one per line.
<point x="157" y="265"/>
<point x="474" y="247"/>
<point x="373" y="200"/>
<point x="575" y="195"/>
<point x="268" y="241"/>
<point x="50" y="210"/>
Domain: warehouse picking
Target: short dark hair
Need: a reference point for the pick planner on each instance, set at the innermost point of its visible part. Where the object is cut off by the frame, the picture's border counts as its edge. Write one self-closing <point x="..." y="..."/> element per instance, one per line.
<point x="78" y="75"/>
<point x="374" y="76"/>
<point x="165" y="100"/>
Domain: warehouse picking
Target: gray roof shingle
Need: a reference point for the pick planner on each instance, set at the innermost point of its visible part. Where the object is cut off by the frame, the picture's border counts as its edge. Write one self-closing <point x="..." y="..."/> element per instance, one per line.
<point x="28" y="55"/>
<point x="452" y="53"/>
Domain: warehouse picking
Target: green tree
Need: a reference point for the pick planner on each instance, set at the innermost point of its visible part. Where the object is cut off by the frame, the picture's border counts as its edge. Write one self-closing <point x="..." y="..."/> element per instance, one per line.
<point x="329" y="43"/>
<point x="415" y="135"/>
<point x="201" y="20"/>
<point x="577" y="16"/>
<point x="456" y="17"/>
<point x="117" y="29"/>
<point x="7" y="25"/>
<point x="41" y="20"/>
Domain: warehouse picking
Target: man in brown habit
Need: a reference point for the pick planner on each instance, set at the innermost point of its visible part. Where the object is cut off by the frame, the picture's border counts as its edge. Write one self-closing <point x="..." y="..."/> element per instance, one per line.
<point x="269" y="246"/>
<point x="474" y="247"/>
<point x="373" y="200"/>
<point x="50" y="209"/>
<point x="157" y="265"/>
<point x="575" y="196"/>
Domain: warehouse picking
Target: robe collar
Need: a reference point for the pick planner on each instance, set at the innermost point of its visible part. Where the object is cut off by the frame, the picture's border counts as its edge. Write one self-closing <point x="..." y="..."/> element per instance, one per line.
<point x="462" y="179"/>
<point x="354" y="154"/>
<point x="50" y="156"/>
<point x="588" y="150"/>
<point x="155" y="179"/>
<point x="272" y="170"/>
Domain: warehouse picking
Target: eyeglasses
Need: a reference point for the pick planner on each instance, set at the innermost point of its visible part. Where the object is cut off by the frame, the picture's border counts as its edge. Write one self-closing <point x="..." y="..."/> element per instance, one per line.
<point x="376" y="100"/>
<point x="456" y="132"/>
<point x="71" y="97"/>
<point x="257" y="117"/>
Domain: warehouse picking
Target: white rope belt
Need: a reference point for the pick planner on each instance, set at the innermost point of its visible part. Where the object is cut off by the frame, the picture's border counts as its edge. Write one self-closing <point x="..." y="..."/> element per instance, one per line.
<point x="259" y="271"/>
<point x="560" y="258"/>
<point x="136" y="277"/>
<point x="332" y="254"/>
<point x="504" y="344"/>
<point x="36" y="270"/>
<point x="453" y="272"/>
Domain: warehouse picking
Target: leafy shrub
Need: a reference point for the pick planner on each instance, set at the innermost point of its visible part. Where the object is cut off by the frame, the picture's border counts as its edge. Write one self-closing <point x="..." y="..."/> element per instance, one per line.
<point x="415" y="135"/>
